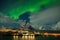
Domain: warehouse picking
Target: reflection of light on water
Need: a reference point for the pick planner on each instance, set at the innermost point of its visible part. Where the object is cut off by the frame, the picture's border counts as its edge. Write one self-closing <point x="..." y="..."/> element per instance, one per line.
<point x="28" y="37"/>
<point x="15" y="37"/>
<point x="32" y="36"/>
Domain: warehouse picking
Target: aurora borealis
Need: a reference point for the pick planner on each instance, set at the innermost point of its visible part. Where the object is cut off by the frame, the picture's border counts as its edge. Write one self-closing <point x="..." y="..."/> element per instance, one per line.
<point x="15" y="8"/>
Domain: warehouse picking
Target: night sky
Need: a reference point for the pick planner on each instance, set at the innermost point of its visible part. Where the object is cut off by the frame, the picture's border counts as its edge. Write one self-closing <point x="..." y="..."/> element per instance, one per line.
<point x="15" y="8"/>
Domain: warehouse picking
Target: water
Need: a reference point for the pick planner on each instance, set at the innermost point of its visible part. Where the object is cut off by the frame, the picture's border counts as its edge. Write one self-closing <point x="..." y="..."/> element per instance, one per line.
<point x="6" y="38"/>
<point x="47" y="38"/>
<point x="29" y="38"/>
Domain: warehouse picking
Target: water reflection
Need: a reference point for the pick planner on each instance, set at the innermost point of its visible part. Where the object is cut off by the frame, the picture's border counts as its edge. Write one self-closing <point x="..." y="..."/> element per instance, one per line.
<point x="24" y="37"/>
<point x="32" y="37"/>
<point x="29" y="37"/>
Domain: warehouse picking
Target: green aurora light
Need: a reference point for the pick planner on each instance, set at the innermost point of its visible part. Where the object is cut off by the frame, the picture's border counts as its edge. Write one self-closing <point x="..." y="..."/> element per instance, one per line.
<point x="16" y="8"/>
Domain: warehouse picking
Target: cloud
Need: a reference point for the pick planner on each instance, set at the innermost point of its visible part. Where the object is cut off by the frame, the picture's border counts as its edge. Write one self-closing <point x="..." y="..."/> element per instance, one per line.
<point x="46" y="18"/>
<point x="8" y="22"/>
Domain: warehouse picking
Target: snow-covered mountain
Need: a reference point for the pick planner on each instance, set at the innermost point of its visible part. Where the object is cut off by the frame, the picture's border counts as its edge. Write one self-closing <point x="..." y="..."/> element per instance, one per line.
<point x="46" y="19"/>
